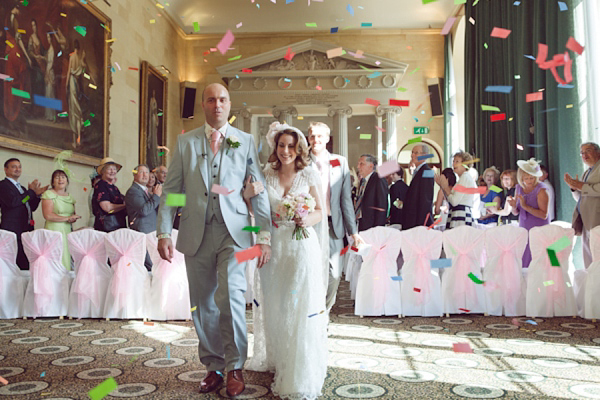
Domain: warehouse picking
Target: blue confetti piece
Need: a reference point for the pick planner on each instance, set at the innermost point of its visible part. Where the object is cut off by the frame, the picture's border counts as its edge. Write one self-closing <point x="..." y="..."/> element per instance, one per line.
<point x="516" y="3"/>
<point x="260" y="147"/>
<point x="531" y="322"/>
<point x="529" y="56"/>
<point x="425" y="157"/>
<point x="256" y="302"/>
<point x="289" y="1"/>
<point x="47" y="102"/>
<point x="441" y="263"/>
<point x="43" y="374"/>
<point x="548" y="110"/>
<point x="312" y="315"/>
<point x="536" y="145"/>
<point x="334" y="30"/>
<point x="396" y="278"/>
<point x="384" y="152"/>
<point x="450" y="114"/>
<point x="366" y="24"/>
<point x="250" y="162"/>
<point x="428" y="173"/>
<point x="562" y="6"/>
<point x="374" y="75"/>
<point x="350" y="9"/>
<point x="566" y="86"/>
<point x="499" y="89"/>
<point x="416" y="119"/>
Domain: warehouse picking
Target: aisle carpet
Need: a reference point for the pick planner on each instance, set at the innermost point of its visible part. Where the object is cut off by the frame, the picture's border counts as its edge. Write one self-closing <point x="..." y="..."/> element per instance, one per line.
<point x="386" y="358"/>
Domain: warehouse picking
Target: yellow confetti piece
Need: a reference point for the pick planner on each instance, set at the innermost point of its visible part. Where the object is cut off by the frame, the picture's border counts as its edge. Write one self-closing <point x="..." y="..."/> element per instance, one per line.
<point x="86" y="75"/>
<point x="134" y="171"/>
<point x="10" y="44"/>
<point x="232" y="119"/>
<point x="510" y="119"/>
<point x="569" y="105"/>
<point x="23" y="31"/>
<point x="300" y="117"/>
<point x="152" y="21"/>
<point x="193" y="309"/>
<point x="93" y="86"/>
<point x="159" y="5"/>
<point x="63" y="15"/>
<point x="110" y="40"/>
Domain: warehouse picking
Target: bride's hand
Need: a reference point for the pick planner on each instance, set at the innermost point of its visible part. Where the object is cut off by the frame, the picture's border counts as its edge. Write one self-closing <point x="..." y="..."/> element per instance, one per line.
<point x="265" y="255"/>
<point x="252" y="189"/>
<point x="301" y="222"/>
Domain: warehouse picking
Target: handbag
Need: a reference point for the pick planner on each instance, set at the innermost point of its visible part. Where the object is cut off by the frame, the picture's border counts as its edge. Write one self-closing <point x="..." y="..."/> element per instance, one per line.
<point x="112" y="222"/>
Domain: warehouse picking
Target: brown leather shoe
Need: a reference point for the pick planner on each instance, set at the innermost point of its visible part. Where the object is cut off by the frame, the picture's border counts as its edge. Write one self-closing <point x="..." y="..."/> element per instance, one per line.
<point x="235" y="383"/>
<point x="211" y="381"/>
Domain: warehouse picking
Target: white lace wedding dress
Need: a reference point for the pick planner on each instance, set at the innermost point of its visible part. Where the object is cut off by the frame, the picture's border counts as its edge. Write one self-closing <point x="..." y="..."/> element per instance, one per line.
<point x="290" y="321"/>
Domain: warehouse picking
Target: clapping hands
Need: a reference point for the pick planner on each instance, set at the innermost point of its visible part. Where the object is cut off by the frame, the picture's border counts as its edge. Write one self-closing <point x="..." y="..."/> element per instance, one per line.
<point x="37" y="187"/>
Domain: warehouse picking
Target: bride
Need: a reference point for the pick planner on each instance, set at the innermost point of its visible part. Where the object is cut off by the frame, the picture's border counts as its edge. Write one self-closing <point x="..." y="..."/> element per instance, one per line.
<point x="290" y="322"/>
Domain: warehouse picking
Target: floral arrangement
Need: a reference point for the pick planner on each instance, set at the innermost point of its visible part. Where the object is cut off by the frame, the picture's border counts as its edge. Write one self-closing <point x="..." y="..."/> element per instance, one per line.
<point x="298" y="206"/>
<point x="233" y="143"/>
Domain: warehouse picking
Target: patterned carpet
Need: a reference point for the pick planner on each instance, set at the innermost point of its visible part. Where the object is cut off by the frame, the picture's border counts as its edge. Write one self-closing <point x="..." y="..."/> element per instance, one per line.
<point x="386" y="358"/>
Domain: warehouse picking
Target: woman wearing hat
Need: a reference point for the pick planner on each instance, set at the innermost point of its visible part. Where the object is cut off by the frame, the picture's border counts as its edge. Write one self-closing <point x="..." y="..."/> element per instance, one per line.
<point x="108" y="203"/>
<point x="531" y="200"/>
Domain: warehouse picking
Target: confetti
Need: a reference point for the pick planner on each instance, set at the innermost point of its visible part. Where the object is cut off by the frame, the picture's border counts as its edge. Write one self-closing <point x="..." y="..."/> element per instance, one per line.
<point x="222" y="190"/>
<point x="350" y="9"/>
<point x="175" y="200"/>
<point x="81" y="30"/>
<point x="535" y="96"/>
<point x="372" y="102"/>
<point x="344" y="250"/>
<point x="464" y="310"/>
<point x="20" y="93"/>
<point x="462" y="347"/>
<point x="335" y="163"/>
<point x="425" y="157"/>
<point x="462" y="189"/>
<point x="248" y="254"/>
<point x="333" y="30"/>
<point x="496" y="189"/>
<point x="441" y="263"/>
<point x="400" y="103"/>
<point x="92" y="86"/>
<point x="234" y="58"/>
<point x="500" y="33"/>
<point x="475" y="278"/>
<point x="197" y="28"/>
<point x="25" y="200"/>
<point x="148" y="323"/>
<point x="311" y="24"/>
<point x="531" y="322"/>
<point x="499" y="89"/>
<point x="3" y="381"/>
<point x="548" y="283"/>
<point x="491" y="204"/>
<point x="387" y="168"/>
<point x="417" y="290"/>
<point x="562" y="6"/>
<point x="225" y="42"/>
<point x="365" y="136"/>
<point x="396" y="278"/>
<point x="254" y="229"/>
<point x="366" y="24"/>
<point x="193" y="308"/>
<point x="573" y="45"/>
<point x="256" y="302"/>
<point x="497" y="117"/>
<point x="103" y="389"/>
<point x="489" y="108"/>
<point x="552" y="256"/>
<point x="519" y="147"/>
<point x="415" y="140"/>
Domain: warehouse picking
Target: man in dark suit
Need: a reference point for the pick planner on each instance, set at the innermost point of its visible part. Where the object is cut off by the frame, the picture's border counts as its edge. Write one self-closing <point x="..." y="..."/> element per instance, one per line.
<point x="141" y="205"/>
<point x="419" y="197"/>
<point x="372" y="200"/>
<point x="398" y="191"/>
<point x="17" y="205"/>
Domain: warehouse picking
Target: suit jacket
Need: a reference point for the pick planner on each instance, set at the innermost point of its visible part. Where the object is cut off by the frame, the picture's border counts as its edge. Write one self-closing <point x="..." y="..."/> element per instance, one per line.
<point x="343" y="218"/>
<point x="374" y="204"/>
<point x="397" y="192"/>
<point x="15" y="217"/>
<point x="590" y="202"/>
<point x="419" y="200"/>
<point x="141" y="209"/>
<point x="189" y="169"/>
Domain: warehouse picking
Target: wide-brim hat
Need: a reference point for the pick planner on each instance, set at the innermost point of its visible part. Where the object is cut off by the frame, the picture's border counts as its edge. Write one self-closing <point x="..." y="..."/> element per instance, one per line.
<point x="106" y="161"/>
<point x="531" y="166"/>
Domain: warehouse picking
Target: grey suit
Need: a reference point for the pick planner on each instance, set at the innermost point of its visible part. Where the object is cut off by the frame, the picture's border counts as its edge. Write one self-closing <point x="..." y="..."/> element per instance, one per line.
<point x="210" y="233"/>
<point x="342" y="220"/>
<point x="586" y="215"/>
<point x="141" y="213"/>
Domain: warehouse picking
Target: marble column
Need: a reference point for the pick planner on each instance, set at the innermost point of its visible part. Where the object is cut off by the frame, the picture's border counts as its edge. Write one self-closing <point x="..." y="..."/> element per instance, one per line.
<point x="389" y="124"/>
<point x="285" y="114"/>
<point x="340" y="116"/>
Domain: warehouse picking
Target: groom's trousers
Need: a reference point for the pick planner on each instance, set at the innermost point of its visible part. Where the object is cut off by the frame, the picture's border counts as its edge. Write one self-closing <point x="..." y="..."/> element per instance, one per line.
<point x="217" y="286"/>
<point x="335" y="267"/>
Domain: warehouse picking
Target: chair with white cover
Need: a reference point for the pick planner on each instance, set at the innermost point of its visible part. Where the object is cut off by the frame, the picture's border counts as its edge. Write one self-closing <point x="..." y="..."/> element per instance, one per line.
<point x="505" y="287"/>
<point x="376" y="293"/>
<point x="549" y="289"/>
<point x="169" y="293"/>
<point x="47" y="293"/>
<point x="130" y="282"/>
<point x="591" y="309"/>
<point x="464" y="244"/>
<point x="92" y="273"/>
<point x="12" y="283"/>
<point x="421" y="289"/>
<point x="353" y="262"/>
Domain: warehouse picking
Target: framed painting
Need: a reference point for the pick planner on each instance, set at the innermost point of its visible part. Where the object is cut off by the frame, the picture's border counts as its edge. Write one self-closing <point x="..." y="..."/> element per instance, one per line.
<point x="153" y="115"/>
<point x="55" y="79"/>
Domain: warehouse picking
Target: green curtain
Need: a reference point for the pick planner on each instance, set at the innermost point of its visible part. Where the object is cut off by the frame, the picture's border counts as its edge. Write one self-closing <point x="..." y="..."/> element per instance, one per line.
<point x="557" y="128"/>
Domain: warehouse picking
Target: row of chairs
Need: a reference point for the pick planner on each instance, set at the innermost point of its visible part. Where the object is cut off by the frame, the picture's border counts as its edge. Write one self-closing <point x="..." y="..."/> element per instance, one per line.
<point x="485" y="276"/>
<point x="125" y="289"/>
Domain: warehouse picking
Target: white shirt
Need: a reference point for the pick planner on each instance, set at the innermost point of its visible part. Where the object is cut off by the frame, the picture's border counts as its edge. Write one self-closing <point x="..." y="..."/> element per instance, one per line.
<point x="323" y="165"/>
<point x="142" y="186"/>
<point x="17" y="185"/>
<point x="418" y="167"/>
<point x="208" y="130"/>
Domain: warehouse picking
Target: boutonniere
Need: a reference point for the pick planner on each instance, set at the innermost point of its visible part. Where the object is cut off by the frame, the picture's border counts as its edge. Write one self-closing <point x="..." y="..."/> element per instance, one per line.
<point x="233" y="142"/>
<point x="398" y="203"/>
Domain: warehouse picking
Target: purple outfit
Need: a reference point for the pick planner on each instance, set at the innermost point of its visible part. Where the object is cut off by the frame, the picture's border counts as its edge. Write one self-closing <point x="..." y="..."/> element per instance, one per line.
<point x="527" y="220"/>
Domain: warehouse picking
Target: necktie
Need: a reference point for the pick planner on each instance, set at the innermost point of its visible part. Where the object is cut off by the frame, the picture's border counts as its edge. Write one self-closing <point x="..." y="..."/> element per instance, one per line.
<point x="361" y="191"/>
<point x="214" y="141"/>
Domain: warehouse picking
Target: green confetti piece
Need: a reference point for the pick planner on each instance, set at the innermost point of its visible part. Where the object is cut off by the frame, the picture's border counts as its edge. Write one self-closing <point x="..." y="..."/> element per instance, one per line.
<point x="254" y="229"/>
<point x="366" y="24"/>
<point x="162" y="153"/>
<point x="492" y="204"/>
<point x="402" y="89"/>
<point x="234" y="58"/>
<point x="489" y="108"/>
<point x="553" y="259"/>
<point x="160" y="114"/>
<point x="475" y="3"/>
<point x="560" y="244"/>
<point x="485" y="45"/>
<point x="365" y="68"/>
<point x="21" y="93"/>
<point x="415" y="70"/>
<point x="103" y="389"/>
<point x="92" y="115"/>
<point x="343" y="52"/>
<point x="366" y="136"/>
<point x="81" y="30"/>
<point x="548" y="283"/>
<point x="430" y="119"/>
<point x="87" y="122"/>
<point x="496" y="189"/>
<point x="25" y="200"/>
<point x="428" y="1"/>
<point x="415" y="140"/>
<point x="175" y="200"/>
<point x="475" y="279"/>
<point x="63" y="114"/>
<point x="460" y="1"/>
<point x="25" y="3"/>
<point x="311" y="24"/>
<point x="517" y="76"/>
<point x="196" y="27"/>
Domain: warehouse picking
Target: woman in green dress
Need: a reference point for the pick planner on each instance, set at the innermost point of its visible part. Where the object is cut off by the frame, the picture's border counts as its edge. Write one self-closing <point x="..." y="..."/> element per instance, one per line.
<point x="58" y="208"/>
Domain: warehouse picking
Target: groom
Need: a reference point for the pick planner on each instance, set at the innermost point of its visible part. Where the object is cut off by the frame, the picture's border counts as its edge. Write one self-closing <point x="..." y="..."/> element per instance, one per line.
<point x="211" y="233"/>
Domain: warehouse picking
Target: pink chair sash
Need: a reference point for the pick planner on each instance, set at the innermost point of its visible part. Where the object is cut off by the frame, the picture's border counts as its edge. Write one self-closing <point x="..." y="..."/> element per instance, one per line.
<point x="461" y="263"/>
<point x="506" y="276"/>
<point x="41" y="276"/>
<point x="173" y="287"/>
<point x="7" y="256"/>
<point x="86" y="284"/>
<point x="379" y="259"/>
<point x="123" y="279"/>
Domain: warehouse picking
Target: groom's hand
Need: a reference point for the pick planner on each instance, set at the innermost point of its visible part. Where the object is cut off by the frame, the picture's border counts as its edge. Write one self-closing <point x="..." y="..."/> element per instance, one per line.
<point x="265" y="255"/>
<point x="165" y="249"/>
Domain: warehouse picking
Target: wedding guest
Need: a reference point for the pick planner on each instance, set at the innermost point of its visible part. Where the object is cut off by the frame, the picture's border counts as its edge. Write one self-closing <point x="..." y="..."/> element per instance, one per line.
<point x="586" y="192"/>
<point x="108" y="203"/>
<point x="151" y="181"/>
<point x="372" y="199"/>
<point x="161" y="174"/>
<point x="17" y="205"/>
<point x="398" y="191"/>
<point x="58" y="208"/>
<point x="531" y="200"/>
<point x="441" y="204"/>
<point x="489" y="217"/>
<point x="460" y="203"/>
<point x="94" y="178"/>
<point x="417" y="207"/>
<point x="508" y="181"/>
<point x="550" y="189"/>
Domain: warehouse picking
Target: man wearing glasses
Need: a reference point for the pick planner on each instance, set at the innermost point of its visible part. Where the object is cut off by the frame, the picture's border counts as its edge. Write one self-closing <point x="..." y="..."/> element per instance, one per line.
<point x="419" y="197"/>
<point x="586" y="192"/>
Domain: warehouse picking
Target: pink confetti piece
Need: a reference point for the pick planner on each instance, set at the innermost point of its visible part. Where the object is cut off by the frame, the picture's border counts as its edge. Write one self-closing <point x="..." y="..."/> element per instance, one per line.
<point x="573" y="45"/>
<point x="248" y="254"/>
<point x="371" y="102"/>
<point x="225" y="42"/>
<point x="535" y="96"/>
<point x="462" y="348"/>
<point x="318" y="88"/>
<point x="239" y="25"/>
<point x="118" y="66"/>
<point x="379" y="128"/>
<point x="387" y="168"/>
<point x="218" y="189"/>
<point x="338" y="51"/>
<point x="500" y="32"/>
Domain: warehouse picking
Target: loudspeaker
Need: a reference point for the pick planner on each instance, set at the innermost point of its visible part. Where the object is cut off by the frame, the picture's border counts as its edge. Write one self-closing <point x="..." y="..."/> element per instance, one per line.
<point x="435" y="86"/>
<point x="188" y="99"/>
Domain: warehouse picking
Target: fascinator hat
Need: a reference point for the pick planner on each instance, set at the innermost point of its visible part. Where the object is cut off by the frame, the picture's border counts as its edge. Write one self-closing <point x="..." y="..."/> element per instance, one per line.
<point x="277" y="127"/>
<point x="531" y="166"/>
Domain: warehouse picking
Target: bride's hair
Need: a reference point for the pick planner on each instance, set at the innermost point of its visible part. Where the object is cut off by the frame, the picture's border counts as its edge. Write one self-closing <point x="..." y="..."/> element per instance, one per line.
<point x="301" y="151"/>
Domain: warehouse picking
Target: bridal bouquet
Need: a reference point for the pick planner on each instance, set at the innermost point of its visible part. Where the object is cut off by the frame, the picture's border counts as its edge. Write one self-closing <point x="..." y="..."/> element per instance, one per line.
<point x="297" y="206"/>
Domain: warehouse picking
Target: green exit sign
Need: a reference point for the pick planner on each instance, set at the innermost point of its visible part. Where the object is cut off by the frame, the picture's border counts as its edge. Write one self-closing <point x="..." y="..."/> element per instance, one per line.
<point x="421" y="130"/>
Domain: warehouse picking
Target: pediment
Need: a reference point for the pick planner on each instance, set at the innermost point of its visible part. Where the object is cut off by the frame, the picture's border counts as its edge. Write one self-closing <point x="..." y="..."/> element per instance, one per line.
<point x="311" y="59"/>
